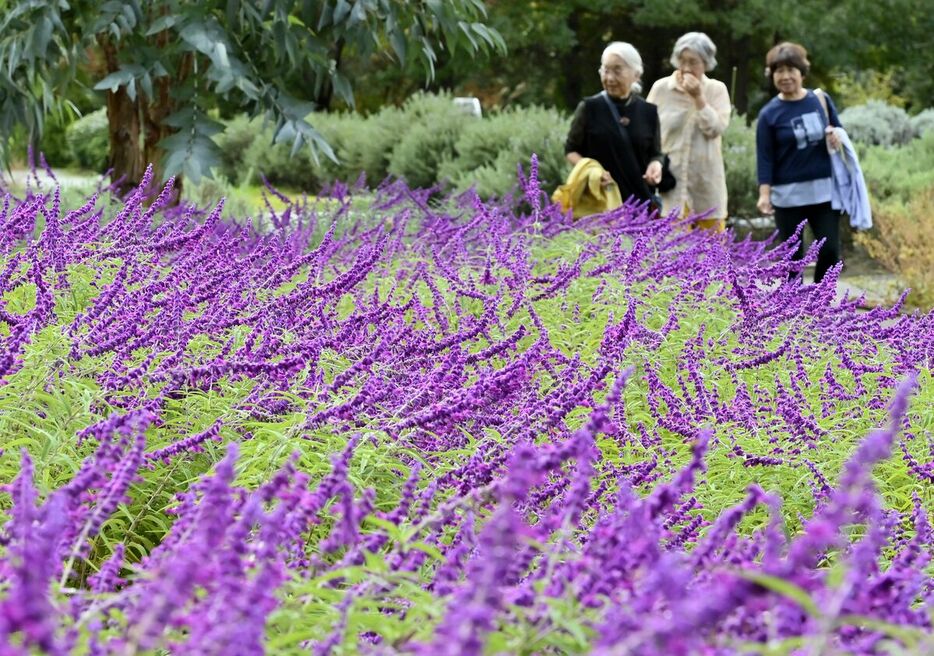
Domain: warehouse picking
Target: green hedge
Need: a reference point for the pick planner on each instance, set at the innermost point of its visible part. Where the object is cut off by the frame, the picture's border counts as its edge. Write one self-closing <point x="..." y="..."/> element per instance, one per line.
<point x="878" y="124"/>
<point x="489" y="150"/>
<point x="899" y="174"/>
<point x="429" y="141"/>
<point x="433" y="127"/>
<point x="739" y="163"/>
<point x="89" y="141"/>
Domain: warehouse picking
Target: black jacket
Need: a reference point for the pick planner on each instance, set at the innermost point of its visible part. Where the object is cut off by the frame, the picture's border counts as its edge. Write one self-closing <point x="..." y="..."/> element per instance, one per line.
<point x="593" y="134"/>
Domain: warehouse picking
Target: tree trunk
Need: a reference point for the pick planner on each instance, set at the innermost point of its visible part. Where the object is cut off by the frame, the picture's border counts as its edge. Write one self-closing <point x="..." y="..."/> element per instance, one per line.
<point x="126" y="157"/>
<point x="156" y="111"/>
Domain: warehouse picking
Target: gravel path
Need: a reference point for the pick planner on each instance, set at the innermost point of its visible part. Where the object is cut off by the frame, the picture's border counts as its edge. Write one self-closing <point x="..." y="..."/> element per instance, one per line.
<point x="67" y="179"/>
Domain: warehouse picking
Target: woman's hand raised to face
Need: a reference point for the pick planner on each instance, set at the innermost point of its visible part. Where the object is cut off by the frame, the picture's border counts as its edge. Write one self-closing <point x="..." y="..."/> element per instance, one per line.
<point x="689" y="83"/>
<point x="653" y="173"/>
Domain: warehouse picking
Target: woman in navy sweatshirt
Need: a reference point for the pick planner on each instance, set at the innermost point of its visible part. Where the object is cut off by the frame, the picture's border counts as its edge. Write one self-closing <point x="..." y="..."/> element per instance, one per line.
<point x="792" y="139"/>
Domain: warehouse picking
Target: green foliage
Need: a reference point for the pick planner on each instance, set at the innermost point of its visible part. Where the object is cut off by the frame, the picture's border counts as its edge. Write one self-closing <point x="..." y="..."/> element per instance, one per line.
<point x="853" y="88"/>
<point x="88" y="141"/>
<point x="877" y="124"/>
<point x="898" y="174"/>
<point x="249" y="153"/>
<point x="489" y="150"/>
<point x="739" y="162"/>
<point x="276" y="162"/>
<point x="369" y="146"/>
<point x="426" y="141"/>
<point x="901" y="188"/>
<point x="174" y="62"/>
<point x="900" y="241"/>
<point x="923" y="122"/>
<point x="434" y="128"/>
<point x="237" y="202"/>
<point x="54" y="144"/>
<point x="234" y="142"/>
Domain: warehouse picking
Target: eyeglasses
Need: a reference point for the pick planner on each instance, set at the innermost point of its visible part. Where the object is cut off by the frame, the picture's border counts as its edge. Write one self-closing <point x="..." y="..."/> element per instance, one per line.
<point x="615" y="71"/>
<point x="690" y="61"/>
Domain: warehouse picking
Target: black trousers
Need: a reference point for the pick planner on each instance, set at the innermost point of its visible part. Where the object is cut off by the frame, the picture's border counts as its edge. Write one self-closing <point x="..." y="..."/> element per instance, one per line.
<point x="825" y="224"/>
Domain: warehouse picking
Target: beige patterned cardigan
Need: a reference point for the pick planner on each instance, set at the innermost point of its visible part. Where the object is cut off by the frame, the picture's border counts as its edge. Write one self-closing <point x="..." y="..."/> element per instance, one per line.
<point x="691" y="137"/>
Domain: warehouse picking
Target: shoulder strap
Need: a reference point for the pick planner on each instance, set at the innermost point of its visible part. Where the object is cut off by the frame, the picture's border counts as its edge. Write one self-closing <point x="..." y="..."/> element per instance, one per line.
<point x="822" y="99"/>
<point x="616" y="119"/>
<point x="629" y="151"/>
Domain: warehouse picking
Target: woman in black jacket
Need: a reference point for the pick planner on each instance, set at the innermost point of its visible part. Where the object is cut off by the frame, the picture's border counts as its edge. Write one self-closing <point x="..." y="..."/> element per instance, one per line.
<point x="627" y="141"/>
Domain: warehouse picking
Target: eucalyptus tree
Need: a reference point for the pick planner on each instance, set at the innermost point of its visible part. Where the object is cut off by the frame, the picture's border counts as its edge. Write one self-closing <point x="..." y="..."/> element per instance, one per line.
<point x="164" y="65"/>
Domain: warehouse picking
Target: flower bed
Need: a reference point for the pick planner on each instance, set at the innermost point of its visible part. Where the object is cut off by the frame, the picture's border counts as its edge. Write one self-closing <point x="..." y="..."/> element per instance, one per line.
<point x="389" y="425"/>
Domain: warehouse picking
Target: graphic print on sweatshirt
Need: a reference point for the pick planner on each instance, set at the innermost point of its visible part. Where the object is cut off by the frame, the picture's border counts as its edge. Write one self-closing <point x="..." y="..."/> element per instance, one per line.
<point x="808" y="129"/>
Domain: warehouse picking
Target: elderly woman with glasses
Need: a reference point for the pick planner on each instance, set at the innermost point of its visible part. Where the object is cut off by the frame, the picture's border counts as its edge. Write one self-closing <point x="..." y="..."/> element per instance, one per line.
<point x="694" y="110"/>
<point x="618" y="128"/>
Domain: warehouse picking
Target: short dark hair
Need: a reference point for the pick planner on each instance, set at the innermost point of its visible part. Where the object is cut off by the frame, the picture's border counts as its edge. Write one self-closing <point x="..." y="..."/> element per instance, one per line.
<point x="787" y="54"/>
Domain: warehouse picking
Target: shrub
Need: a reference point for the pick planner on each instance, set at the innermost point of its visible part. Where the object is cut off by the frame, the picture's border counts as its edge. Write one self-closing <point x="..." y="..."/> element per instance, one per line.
<point x="434" y="125"/>
<point x="468" y="431"/>
<point x="54" y="146"/>
<point x="207" y="191"/>
<point x="234" y="142"/>
<point x="859" y="87"/>
<point x="275" y="160"/>
<point x="739" y="160"/>
<point x="278" y="165"/>
<point x="901" y="239"/>
<point x="347" y="133"/>
<point x="88" y="140"/>
<point x="368" y="148"/>
<point x="923" y="122"/>
<point x="899" y="173"/>
<point x="877" y="124"/>
<point x="361" y="144"/>
<point x="488" y="151"/>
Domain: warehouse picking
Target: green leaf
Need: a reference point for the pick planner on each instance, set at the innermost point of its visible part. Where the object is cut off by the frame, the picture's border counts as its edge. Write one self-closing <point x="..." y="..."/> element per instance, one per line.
<point x="468" y="32"/>
<point x="41" y="36"/>
<point x="429" y="549"/>
<point x="162" y="23"/>
<point x="397" y="40"/>
<point x="146" y="82"/>
<point x="196" y="35"/>
<point x="343" y="88"/>
<point x="357" y="14"/>
<point x="392" y="529"/>
<point x="220" y="56"/>
<point x="784" y="588"/>
<point x="341" y="9"/>
<point x="126" y="76"/>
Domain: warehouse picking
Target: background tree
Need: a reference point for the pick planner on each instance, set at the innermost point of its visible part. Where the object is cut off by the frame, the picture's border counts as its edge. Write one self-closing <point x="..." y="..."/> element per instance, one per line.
<point x="166" y="64"/>
<point x="554" y="48"/>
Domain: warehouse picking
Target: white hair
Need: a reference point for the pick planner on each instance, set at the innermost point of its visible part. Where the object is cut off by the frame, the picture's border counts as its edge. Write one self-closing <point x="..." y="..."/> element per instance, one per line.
<point x="630" y="56"/>
<point x="699" y="43"/>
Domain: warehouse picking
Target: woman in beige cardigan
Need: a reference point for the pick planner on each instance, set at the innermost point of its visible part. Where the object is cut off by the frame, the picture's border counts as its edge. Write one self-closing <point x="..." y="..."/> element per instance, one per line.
<point x="694" y="110"/>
